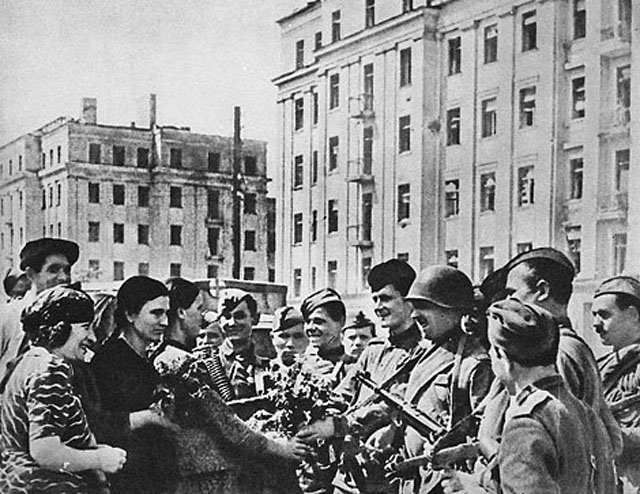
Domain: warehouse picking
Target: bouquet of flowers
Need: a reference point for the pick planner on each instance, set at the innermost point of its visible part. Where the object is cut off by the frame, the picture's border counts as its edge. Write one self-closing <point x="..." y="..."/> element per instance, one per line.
<point x="298" y="398"/>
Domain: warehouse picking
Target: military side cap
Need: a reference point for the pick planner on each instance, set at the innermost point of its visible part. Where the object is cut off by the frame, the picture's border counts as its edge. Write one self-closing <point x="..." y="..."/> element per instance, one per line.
<point x="318" y="299"/>
<point x="444" y="286"/>
<point x="392" y="272"/>
<point x="548" y="253"/>
<point x="359" y="321"/>
<point x="35" y="252"/>
<point x="620" y="285"/>
<point x="230" y="298"/>
<point x="286" y="318"/>
<point x="528" y="334"/>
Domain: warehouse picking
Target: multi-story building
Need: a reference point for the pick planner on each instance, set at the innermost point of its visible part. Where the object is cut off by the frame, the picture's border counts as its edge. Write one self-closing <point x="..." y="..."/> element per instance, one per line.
<point x="156" y="200"/>
<point x="460" y="132"/>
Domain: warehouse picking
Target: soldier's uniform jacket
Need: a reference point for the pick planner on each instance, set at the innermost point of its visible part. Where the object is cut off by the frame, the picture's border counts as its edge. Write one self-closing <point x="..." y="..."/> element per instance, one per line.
<point x="620" y="373"/>
<point x="553" y="443"/>
<point x="245" y="370"/>
<point x="432" y="389"/>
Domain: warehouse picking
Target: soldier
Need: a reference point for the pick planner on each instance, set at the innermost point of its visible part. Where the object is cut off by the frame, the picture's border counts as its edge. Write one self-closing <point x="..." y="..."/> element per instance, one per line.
<point x="552" y="442"/>
<point x="355" y="336"/>
<point x="288" y="336"/>
<point x="454" y="374"/>
<point x="238" y="314"/>
<point x="543" y="277"/>
<point x="616" y="319"/>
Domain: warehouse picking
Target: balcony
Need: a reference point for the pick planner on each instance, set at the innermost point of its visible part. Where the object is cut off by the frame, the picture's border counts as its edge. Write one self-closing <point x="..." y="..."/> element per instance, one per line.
<point x="360" y="171"/>
<point x="616" y="39"/>
<point x="361" y="107"/>
<point x="214" y="221"/>
<point x="359" y="236"/>
<point x="613" y="206"/>
<point x="618" y="120"/>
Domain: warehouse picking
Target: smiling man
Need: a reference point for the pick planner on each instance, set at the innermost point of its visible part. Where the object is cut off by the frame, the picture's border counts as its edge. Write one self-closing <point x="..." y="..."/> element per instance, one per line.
<point x="616" y="319"/>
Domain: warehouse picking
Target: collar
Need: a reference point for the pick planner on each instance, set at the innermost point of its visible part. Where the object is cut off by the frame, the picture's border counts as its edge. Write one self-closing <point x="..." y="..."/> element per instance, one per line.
<point x="407" y="339"/>
<point x="122" y="337"/>
<point x="229" y="352"/>
<point x="332" y="354"/>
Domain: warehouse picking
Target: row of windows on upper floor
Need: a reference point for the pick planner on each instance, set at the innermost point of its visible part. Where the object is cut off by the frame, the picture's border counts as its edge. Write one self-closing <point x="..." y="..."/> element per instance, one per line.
<point x="143" y="158"/>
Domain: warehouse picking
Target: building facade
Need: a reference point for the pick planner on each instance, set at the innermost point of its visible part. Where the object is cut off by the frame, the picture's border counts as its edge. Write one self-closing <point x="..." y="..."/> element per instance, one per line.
<point x="459" y="132"/>
<point x="156" y="201"/>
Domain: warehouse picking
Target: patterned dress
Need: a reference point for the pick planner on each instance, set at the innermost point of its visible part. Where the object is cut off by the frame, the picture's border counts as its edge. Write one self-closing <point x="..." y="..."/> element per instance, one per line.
<point x="39" y="402"/>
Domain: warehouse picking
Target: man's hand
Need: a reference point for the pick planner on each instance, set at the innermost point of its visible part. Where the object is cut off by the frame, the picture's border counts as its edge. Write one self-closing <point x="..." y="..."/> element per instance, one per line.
<point x="110" y="459"/>
<point x="320" y="429"/>
<point x="382" y="439"/>
<point x="292" y="450"/>
<point x="461" y="483"/>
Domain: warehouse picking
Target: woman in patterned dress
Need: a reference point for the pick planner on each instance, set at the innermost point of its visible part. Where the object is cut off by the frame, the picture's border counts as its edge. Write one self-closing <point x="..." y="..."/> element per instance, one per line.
<point x="47" y="446"/>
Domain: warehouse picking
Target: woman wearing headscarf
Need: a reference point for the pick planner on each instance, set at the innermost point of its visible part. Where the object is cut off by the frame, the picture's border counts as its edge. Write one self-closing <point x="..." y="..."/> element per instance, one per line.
<point x="127" y="380"/>
<point x="216" y="453"/>
<point x="47" y="446"/>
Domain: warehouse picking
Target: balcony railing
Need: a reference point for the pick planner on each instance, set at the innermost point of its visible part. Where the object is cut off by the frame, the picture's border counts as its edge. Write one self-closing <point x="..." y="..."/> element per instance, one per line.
<point x="360" y="170"/>
<point x="620" y="31"/>
<point x="361" y="106"/>
<point x="614" y="203"/>
<point x="359" y="236"/>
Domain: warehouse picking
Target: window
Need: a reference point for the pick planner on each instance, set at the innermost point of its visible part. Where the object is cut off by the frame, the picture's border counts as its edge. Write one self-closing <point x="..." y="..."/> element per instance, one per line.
<point x="142" y="158"/>
<point x="576" y="172"/>
<point x="118" y="155"/>
<point x="298" y="171"/>
<point x="51" y="157"/>
<point x="332" y="274"/>
<point x="250" y="165"/>
<point x="622" y="170"/>
<point x="333" y="215"/>
<point x="143" y="268"/>
<point x="491" y="43"/>
<point x="299" y="54"/>
<point x="271" y="225"/>
<point x="367" y="216"/>
<point x="619" y="252"/>
<point x="212" y="271"/>
<point x="249" y="273"/>
<point x="94" y="192"/>
<point x="367" y="87"/>
<point x="367" y="150"/>
<point x="403" y="256"/>
<point x="143" y="234"/>
<point x="527" y="106"/>
<point x="405" y="67"/>
<point x="249" y="203"/>
<point x="297" y="228"/>
<point x="143" y="196"/>
<point x="334" y="147"/>
<point x="175" y="235"/>
<point x="365" y="269"/>
<point x="314" y="225"/>
<point x="51" y="196"/>
<point x="575" y="246"/>
<point x="404" y="201"/>
<point x="579" y="19"/>
<point x="451" y="198"/>
<point x="369" y="13"/>
<point x="175" y="158"/>
<point x="44" y="200"/>
<point x="44" y="162"/>
<point x="118" y="271"/>
<point x="453" y="126"/>
<point x="578" y="97"/>
<point x="529" y="31"/>
<point x="213" y="237"/>
<point x="314" y="277"/>
<point x="407" y="6"/>
<point x="213" y="161"/>
<point x="526" y="186"/>
<point x="21" y="198"/>
<point x="94" y="267"/>
<point x="487" y="262"/>
<point x="404" y="137"/>
<point x="489" y="117"/>
<point x="623" y="93"/>
<point x="318" y="40"/>
<point x="250" y="240"/>
<point x="118" y="194"/>
<point x="58" y="151"/>
<point x="299" y="114"/>
<point x="523" y="247"/>
<point x="94" y="153"/>
<point x="175" y="269"/>
<point x="314" y="167"/>
<point x="451" y="257"/>
<point x="334" y="91"/>
<point x="118" y="233"/>
<point x="315" y="106"/>
<point x="175" y="197"/>
<point x="487" y="192"/>
<point x="213" y="204"/>
<point x="94" y="231"/>
<point x="297" y="282"/>
<point x="455" y="55"/>
<point x="335" y="26"/>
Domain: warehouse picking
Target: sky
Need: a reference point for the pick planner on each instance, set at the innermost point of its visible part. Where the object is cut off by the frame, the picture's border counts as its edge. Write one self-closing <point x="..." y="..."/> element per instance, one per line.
<point x="201" y="58"/>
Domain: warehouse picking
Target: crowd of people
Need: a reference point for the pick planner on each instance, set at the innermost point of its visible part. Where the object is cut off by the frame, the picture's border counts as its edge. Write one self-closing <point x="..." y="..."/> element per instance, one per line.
<point x="452" y="389"/>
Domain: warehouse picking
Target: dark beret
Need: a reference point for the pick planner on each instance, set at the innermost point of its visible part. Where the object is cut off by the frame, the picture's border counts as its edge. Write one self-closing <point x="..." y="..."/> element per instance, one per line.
<point x="620" y="285"/>
<point x="286" y="317"/>
<point x="231" y="298"/>
<point x="35" y="252"/>
<point x="318" y="299"/>
<point x="359" y="321"/>
<point x="392" y="272"/>
<point x="444" y="286"/>
<point x="528" y="334"/>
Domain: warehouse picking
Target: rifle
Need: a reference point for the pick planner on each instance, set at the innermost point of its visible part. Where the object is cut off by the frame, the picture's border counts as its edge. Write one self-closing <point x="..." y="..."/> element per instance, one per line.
<point x="619" y="406"/>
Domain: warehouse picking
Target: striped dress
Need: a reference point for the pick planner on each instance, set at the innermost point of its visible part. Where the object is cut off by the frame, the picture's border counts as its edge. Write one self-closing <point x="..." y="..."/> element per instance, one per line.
<point x="39" y="402"/>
